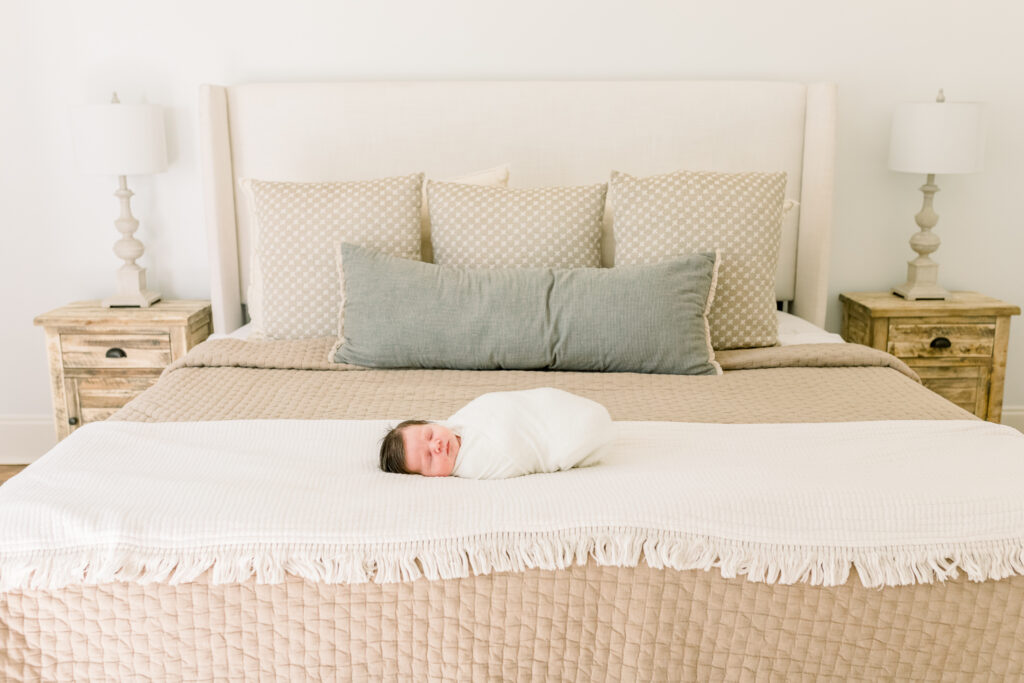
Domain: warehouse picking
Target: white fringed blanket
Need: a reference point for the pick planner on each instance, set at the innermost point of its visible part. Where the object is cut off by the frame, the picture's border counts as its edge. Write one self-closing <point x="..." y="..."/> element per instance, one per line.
<point x="903" y="502"/>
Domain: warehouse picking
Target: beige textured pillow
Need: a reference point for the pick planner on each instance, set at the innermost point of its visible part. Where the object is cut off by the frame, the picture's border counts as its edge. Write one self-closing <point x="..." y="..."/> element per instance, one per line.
<point x="295" y="290"/>
<point x="739" y="214"/>
<point x="497" y="176"/>
<point x="497" y="227"/>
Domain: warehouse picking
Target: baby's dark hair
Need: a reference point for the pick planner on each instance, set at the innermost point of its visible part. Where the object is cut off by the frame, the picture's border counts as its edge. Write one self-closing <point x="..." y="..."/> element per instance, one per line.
<point x="392" y="448"/>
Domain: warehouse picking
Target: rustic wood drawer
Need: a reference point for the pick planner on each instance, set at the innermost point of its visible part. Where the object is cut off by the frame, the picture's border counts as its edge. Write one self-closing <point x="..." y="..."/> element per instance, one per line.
<point x="965" y="393"/>
<point x="957" y="346"/>
<point x="967" y="385"/>
<point x="102" y="358"/>
<point x="920" y="338"/>
<point x="92" y="399"/>
<point x="115" y="351"/>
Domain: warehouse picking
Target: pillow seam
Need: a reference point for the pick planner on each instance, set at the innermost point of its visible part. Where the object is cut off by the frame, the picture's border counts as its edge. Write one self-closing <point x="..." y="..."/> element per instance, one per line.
<point x="707" y="310"/>
<point x="332" y="356"/>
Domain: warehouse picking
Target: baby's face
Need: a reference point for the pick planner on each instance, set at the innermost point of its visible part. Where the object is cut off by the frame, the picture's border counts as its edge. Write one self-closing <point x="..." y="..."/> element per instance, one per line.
<point x="430" y="449"/>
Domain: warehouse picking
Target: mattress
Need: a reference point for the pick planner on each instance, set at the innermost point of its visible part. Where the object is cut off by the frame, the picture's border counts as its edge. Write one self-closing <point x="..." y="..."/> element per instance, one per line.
<point x="583" y="623"/>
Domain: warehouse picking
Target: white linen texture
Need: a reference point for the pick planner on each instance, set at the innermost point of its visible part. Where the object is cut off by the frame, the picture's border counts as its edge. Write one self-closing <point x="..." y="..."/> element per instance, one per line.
<point x="902" y="501"/>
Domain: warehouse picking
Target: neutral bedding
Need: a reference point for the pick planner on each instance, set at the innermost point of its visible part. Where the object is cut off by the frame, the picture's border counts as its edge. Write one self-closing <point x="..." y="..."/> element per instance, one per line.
<point x="584" y="622"/>
<point x="901" y="501"/>
<point x="792" y="331"/>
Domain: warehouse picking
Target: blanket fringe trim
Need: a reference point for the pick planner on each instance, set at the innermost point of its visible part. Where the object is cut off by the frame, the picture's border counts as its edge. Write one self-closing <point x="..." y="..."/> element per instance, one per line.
<point x="514" y="552"/>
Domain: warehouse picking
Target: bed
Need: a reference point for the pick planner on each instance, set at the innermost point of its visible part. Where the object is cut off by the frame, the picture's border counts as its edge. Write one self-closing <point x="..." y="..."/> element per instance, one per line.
<point x="629" y="618"/>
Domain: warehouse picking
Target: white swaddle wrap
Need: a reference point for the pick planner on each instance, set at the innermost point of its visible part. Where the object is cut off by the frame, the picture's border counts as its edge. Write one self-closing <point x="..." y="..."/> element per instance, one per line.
<point x="511" y="433"/>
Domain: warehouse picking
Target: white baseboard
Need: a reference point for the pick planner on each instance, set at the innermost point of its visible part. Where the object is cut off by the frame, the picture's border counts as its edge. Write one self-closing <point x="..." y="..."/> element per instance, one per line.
<point x="24" y="438"/>
<point x="1014" y="417"/>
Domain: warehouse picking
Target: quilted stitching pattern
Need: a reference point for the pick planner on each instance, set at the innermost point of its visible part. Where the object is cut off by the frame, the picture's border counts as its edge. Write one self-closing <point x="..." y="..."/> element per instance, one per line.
<point x="496" y="227"/>
<point x="740" y="214"/>
<point x="785" y="394"/>
<point x="296" y="291"/>
<point x="582" y="624"/>
<point x="586" y="623"/>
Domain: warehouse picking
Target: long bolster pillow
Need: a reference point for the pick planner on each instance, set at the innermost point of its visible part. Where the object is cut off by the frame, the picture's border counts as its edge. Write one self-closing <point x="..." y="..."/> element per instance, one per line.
<point x="400" y="313"/>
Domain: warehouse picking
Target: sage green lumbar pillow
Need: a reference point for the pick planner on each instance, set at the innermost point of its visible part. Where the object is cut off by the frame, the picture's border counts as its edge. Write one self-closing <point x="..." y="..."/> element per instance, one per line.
<point x="401" y="313"/>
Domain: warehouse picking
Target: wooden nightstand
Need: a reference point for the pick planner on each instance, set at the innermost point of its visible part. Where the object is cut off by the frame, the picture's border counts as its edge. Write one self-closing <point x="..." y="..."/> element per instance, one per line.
<point x="101" y="358"/>
<point x="958" y="347"/>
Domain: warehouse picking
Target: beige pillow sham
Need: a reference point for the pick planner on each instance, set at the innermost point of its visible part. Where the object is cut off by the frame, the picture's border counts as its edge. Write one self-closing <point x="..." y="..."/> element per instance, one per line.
<point x="497" y="177"/>
<point x="295" y="289"/>
<point x="497" y="227"/>
<point x="739" y="214"/>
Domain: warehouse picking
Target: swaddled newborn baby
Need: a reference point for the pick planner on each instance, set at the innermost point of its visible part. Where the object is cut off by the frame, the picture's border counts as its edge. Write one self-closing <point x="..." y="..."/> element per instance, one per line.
<point x="500" y="435"/>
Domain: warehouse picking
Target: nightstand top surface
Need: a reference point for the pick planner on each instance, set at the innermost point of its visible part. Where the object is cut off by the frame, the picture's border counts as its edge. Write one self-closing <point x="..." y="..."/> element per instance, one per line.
<point x="884" y="304"/>
<point x="81" y="313"/>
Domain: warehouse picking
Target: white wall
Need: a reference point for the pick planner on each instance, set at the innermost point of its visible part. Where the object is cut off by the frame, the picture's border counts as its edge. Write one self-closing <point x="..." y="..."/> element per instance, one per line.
<point x="57" y="230"/>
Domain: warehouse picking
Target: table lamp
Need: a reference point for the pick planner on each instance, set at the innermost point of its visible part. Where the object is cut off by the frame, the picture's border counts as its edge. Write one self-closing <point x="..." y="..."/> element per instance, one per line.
<point x="121" y="140"/>
<point x="933" y="138"/>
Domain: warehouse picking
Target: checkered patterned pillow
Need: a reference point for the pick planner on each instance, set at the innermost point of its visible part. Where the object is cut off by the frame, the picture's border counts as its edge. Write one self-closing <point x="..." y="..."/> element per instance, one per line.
<point x="497" y="227"/>
<point x="739" y="214"/>
<point x="296" y="290"/>
<point x="497" y="176"/>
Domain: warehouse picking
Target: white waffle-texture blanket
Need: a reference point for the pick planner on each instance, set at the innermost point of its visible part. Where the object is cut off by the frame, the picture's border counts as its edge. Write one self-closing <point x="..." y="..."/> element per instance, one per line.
<point x="902" y="501"/>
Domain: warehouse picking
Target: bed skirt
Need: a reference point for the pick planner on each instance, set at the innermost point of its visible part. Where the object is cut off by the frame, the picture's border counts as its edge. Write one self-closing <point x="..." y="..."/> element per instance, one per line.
<point x="586" y="623"/>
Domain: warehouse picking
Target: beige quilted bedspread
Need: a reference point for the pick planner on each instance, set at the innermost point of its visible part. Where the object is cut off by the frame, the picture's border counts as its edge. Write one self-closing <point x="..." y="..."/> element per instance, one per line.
<point x="581" y="624"/>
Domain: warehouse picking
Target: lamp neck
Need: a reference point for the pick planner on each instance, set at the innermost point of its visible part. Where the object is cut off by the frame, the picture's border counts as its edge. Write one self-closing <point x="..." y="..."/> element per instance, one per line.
<point x="926" y="218"/>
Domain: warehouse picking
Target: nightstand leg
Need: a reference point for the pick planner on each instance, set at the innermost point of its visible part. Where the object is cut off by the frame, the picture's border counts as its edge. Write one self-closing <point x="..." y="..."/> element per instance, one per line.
<point x="995" y="393"/>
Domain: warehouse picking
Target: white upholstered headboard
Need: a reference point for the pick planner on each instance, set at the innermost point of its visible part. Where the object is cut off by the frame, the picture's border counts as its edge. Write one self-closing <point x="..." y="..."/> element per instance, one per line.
<point x="550" y="132"/>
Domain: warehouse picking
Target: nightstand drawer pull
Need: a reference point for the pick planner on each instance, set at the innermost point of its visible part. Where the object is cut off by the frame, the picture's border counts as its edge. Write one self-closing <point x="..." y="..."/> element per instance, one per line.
<point x="72" y="421"/>
<point x="910" y="339"/>
<point x="120" y="350"/>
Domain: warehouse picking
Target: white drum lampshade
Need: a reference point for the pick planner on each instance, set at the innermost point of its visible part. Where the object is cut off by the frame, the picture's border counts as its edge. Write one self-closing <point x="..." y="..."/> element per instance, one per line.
<point x="122" y="140"/>
<point x="933" y="138"/>
<point x="938" y="137"/>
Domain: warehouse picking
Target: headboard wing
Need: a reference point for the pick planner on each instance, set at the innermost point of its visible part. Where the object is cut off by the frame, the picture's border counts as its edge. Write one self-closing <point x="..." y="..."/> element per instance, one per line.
<point x="550" y="132"/>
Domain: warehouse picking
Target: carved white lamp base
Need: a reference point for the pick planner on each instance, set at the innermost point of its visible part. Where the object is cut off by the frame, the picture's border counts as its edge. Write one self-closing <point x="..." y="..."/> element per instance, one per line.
<point x="921" y="282"/>
<point x="923" y="273"/>
<point x="131" y="289"/>
<point x="131" y="277"/>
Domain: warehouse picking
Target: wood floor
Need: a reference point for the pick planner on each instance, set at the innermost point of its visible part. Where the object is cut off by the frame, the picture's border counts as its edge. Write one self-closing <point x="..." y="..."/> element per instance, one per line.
<point x="8" y="471"/>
